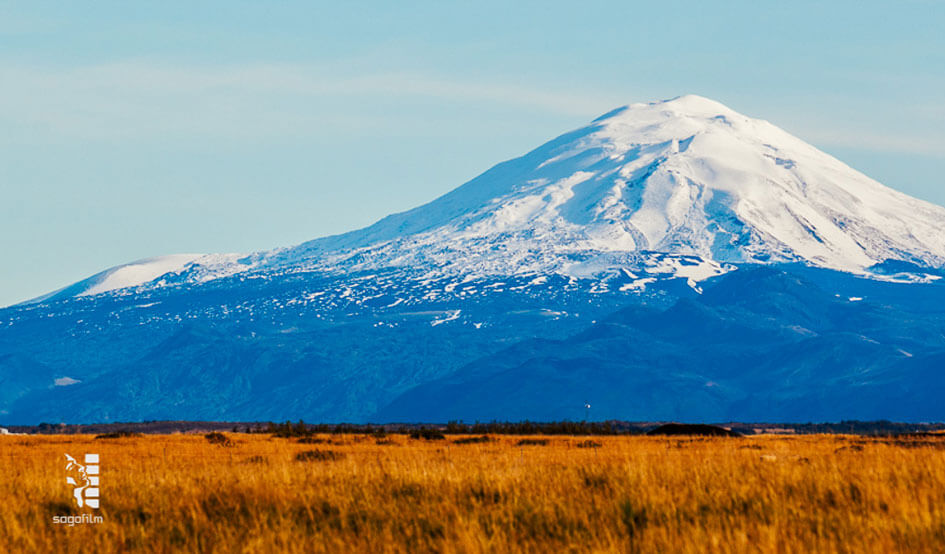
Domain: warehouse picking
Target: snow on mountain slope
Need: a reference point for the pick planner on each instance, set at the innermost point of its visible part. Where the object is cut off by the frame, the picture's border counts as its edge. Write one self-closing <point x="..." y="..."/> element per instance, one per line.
<point x="686" y="177"/>
<point x="139" y="273"/>
<point x="683" y="176"/>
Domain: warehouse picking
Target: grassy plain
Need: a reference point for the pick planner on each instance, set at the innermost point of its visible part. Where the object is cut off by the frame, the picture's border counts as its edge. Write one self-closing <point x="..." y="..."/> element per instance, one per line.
<point x="164" y="493"/>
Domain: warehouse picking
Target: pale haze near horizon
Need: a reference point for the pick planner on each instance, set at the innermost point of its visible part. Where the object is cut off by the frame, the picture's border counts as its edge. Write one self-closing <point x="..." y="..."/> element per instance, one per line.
<point x="137" y="131"/>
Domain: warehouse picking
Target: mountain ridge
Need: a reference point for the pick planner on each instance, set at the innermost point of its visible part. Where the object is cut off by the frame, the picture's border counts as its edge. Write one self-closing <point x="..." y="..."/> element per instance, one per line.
<point x="687" y="176"/>
<point x="654" y="136"/>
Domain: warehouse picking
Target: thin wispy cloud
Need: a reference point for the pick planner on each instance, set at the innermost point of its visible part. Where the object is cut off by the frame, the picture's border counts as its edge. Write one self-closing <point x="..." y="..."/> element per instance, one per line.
<point x="135" y="99"/>
<point x="141" y="99"/>
<point x="879" y="142"/>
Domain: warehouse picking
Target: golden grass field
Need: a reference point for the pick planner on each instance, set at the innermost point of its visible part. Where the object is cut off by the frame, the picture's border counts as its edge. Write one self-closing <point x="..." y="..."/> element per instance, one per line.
<point x="163" y="493"/>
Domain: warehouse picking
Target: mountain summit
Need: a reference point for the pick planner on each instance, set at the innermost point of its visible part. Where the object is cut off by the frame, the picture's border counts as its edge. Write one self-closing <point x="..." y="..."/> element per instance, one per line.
<point x="682" y="177"/>
<point x="686" y="176"/>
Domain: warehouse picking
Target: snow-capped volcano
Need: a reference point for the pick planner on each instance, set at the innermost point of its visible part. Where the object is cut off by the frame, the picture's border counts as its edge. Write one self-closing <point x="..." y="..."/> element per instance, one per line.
<point x="551" y="280"/>
<point x="636" y="188"/>
<point x="686" y="176"/>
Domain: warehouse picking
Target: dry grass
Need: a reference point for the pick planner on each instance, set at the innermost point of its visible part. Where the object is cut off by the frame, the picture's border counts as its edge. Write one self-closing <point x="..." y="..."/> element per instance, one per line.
<point x="767" y="494"/>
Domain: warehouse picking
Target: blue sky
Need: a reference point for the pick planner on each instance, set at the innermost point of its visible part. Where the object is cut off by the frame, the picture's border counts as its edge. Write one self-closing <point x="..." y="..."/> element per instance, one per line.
<point x="129" y="130"/>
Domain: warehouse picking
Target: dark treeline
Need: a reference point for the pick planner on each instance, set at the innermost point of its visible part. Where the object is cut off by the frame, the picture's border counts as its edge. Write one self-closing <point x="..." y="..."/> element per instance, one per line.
<point x="301" y="429"/>
<point x="881" y="428"/>
<point x="862" y="428"/>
